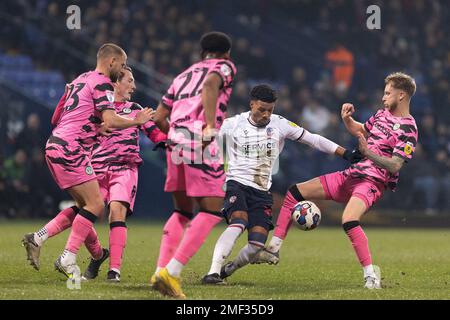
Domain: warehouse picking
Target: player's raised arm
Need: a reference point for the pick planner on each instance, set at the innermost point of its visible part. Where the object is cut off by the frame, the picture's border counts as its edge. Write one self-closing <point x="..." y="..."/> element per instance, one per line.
<point x="323" y="144"/>
<point x="113" y="120"/>
<point x="354" y="127"/>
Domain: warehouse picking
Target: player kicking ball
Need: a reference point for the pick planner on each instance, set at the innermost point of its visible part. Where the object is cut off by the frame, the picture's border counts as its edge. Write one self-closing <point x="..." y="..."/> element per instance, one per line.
<point x="254" y="141"/>
<point x="387" y="140"/>
<point x="114" y="162"/>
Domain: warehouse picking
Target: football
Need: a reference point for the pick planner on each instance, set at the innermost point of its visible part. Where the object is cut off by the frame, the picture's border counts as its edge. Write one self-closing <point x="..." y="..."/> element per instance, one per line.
<point x="306" y="215"/>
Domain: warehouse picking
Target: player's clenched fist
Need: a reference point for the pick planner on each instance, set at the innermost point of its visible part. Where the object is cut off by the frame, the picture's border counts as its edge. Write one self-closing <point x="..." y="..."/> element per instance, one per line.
<point x="347" y="110"/>
<point x="144" y="115"/>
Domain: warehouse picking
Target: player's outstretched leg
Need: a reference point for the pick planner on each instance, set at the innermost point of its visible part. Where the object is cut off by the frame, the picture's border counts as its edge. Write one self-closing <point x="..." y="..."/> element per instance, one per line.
<point x="222" y="250"/>
<point x="350" y="222"/>
<point x="34" y="241"/>
<point x="270" y="254"/>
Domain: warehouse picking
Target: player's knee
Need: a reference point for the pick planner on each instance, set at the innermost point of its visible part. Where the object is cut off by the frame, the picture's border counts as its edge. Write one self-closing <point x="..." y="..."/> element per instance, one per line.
<point x="96" y="207"/>
<point x="117" y="211"/>
<point x="239" y="215"/>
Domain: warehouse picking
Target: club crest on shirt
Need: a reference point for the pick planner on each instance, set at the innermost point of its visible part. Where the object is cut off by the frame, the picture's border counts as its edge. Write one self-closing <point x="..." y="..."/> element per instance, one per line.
<point x="396" y="126"/>
<point x="126" y="110"/>
<point x="110" y="96"/>
<point x="225" y="69"/>
<point x="408" y="148"/>
<point x="89" y="170"/>
<point x="269" y="132"/>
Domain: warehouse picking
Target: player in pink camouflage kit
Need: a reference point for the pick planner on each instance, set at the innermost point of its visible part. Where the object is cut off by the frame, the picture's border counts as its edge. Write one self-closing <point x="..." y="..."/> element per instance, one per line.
<point x="391" y="139"/>
<point x="196" y="103"/>
<point x="115" y="161"/>
<point x="87" y="102"/>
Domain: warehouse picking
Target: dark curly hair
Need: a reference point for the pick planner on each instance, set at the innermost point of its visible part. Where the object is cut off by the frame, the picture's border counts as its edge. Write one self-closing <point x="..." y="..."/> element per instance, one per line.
<point x="215" y="42"/>
<point x="264" y="93"/>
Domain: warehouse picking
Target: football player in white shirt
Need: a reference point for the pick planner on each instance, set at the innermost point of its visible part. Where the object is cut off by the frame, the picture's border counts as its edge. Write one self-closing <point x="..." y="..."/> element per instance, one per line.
<point x="254" y="141"/>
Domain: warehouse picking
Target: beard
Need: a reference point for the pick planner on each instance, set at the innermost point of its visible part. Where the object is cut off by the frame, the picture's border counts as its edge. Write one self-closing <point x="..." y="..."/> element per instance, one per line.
<point x="392" y="106"/>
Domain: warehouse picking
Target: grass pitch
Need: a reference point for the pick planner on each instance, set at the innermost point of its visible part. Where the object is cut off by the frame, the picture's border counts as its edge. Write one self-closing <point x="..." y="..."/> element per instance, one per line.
<point x="321" y="264"/>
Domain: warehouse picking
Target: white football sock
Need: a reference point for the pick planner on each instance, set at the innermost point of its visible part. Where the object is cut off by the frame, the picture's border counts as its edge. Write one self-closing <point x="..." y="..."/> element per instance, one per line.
<point x="224" y="246"/>
<point x="68" y="258"/>
<point x="369" y="271"/>
<point x="275" y="244"/>
<point x="40" y="236"/>
<point x="244" y="257"/>
<point x="174" y="267"/>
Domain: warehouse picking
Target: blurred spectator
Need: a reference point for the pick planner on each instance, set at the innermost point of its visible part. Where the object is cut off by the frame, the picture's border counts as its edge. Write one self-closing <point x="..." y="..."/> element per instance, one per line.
<point x="315" y="117"/>
<point x="425" y="189"/>
<point x="15" y="174"/>
<point x="340" y="61"/>
<point x="44" y="195"/>
<point x="31" y="136"/>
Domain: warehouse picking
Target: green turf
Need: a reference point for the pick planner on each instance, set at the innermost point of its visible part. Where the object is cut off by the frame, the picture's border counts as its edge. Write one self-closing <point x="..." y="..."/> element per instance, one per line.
<point x="320" y="264"/>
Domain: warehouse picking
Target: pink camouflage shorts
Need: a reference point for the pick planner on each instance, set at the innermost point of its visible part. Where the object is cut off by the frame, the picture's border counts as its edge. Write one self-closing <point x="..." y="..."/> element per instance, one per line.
<point x="204" y="179"/>
<point x="68" y="170"/>
<point x="340" y="187"/>
<point x="119" y="186"/>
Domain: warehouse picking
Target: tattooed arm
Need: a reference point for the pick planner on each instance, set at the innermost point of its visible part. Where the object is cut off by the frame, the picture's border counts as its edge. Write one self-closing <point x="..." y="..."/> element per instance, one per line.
<point x="393" y="165"/>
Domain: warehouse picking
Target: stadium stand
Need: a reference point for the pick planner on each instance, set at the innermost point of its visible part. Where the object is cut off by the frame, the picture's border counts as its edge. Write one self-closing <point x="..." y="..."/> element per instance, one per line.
<point x="38" y="54"/>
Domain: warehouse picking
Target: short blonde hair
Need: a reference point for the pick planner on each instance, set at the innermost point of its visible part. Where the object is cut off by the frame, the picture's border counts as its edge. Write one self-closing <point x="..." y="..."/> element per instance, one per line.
<point x="402" y="81"/>
<point x="109" y="49"/>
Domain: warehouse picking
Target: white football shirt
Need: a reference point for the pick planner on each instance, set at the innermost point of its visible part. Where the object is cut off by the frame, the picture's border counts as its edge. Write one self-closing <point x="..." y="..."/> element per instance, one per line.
<point x="252" y="151"/>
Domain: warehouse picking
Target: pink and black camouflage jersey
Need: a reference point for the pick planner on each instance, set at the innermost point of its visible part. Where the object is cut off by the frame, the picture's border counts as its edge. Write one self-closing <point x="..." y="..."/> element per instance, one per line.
<point x="388" y="136"/>
<point x="120" y="150"/>
<point x="76" y="120"/>
<point x="184" y="99"/>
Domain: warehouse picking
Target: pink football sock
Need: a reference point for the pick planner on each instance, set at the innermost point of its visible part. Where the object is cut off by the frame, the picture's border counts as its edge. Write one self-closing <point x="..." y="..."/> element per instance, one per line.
<point x="195" y="236"/>
<point x="61" y="222"/>
<point x="81" y="227"/>
<point x="117" y="242"/>
<point x="92" y="244"/>
<point x="284" y="220"/>
<point x="172" y="234"/>
<point x="360" y="245"/>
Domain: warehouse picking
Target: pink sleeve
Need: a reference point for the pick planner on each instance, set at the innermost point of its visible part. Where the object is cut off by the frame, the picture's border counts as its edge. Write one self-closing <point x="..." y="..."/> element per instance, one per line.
<point x="153" y="133"/>
<point x="168" y="99"/>
<point x="226" y="70"/>
<point x="368" y="125"/>
<point x="406" y="143"/>
<point x="59" y="109"/>
<point x="103" y="95"/>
